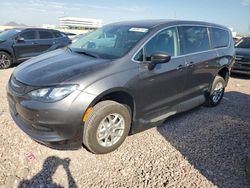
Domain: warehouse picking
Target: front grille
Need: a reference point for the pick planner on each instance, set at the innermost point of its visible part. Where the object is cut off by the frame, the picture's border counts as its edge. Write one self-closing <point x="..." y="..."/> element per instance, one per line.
<point x="19" y="87"/>
<point x="238" y="58"/>
<point x="246" y="59"/>
<point x="242" y="59"/>
<point x="33" y="126"/>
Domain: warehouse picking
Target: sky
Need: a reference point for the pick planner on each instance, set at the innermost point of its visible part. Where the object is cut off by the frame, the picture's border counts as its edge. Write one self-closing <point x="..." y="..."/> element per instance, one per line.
<point x="231" y="13"/>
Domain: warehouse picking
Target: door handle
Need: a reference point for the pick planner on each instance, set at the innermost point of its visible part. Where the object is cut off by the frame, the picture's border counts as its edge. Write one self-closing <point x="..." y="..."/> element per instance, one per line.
<point x="34" y="43"/>
<point x="191" y="64"/>
<point x="179" y="67"/>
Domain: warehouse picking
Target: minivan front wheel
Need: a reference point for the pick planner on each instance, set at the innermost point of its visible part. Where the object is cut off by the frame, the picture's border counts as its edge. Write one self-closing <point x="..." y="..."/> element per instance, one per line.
<point x="5" y="60"/>
<point x="106" y="127"/>
<point x="217" y="92"/>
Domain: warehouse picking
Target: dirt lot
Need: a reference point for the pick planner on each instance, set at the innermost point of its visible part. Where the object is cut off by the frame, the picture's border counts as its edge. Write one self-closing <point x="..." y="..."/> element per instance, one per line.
<point x="204" y="147"/>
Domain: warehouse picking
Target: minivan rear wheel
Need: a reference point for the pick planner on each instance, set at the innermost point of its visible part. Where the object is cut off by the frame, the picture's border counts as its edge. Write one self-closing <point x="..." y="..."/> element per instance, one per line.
<point x="106" y="127"/>
<point x="217" y="92"/>
<point x="5" y="60"/>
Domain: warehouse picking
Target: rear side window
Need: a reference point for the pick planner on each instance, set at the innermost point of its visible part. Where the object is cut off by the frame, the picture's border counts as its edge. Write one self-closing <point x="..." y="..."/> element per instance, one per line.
<point x="45" y="35"/>
<point x="193" y="39"/>
<point x="28" y="35"/>
<point x="220" y="38"/>
<point x="57" y="34"/>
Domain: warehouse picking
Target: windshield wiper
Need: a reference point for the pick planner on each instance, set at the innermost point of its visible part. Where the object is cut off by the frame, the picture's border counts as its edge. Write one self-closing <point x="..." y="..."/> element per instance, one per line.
<point x="86" y="53"/>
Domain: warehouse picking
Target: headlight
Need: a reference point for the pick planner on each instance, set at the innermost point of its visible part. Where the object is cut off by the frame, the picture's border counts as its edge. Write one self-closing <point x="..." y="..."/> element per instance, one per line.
<point x="52" y="94"/>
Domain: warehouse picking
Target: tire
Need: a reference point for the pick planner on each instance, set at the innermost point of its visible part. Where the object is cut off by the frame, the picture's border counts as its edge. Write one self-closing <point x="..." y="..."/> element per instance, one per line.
<point x="216" y="93"/>
<point x="96" y="127"/>
<point x="5" y="60"/>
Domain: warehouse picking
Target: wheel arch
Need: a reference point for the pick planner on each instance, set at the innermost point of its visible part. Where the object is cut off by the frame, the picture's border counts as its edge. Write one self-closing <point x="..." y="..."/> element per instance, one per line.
<point x="224" y="73"/>
<point x="8" y="52"/>
<point x="119" y="95"/>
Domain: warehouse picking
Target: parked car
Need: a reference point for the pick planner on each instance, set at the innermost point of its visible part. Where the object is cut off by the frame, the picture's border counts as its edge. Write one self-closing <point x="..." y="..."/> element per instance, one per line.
<point x="236" y="39"/>
<point x="17" y="45"/>
<point x="242" y="63"/>
<point x="98" y="94"/>
<point x="70" y="35"/>
<point x="75" y="38"/>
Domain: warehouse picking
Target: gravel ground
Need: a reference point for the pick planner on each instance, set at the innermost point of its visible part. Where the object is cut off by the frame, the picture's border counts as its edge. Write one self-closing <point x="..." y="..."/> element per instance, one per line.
<point x="204" y="147"/>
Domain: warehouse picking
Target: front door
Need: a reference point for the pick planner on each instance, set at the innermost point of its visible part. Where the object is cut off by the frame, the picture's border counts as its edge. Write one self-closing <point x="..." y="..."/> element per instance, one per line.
<point x="160" y="90"/>
<point x="26" y="45"/>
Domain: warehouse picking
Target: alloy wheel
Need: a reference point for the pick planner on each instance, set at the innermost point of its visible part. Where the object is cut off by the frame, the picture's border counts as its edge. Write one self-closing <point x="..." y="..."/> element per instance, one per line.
<point x="218" y="92"/>
<point x="5" y="62"/>
<point x="110" y="130"/>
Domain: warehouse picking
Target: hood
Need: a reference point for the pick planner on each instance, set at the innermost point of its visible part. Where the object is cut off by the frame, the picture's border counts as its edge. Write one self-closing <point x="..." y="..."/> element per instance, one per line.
<point x="242" y="52"/>
<point x="59" y="67"/>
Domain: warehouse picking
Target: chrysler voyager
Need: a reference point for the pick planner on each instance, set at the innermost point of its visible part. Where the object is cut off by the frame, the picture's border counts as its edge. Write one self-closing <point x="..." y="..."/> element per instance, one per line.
<point x="118" y="80"/>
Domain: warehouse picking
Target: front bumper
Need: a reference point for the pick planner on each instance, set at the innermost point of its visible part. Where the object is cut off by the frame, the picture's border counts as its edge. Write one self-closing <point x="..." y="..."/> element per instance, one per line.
<point x="57" y="125"/>
<point x="241" y="67"/>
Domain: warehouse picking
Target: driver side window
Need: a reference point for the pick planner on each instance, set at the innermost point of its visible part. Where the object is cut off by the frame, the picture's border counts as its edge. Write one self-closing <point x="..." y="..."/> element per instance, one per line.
<point x="28" y="35"/>
<point x="166" y="41"/>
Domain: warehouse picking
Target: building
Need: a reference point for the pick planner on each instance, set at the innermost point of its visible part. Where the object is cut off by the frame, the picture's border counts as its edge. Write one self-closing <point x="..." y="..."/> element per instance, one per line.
<point x="75" y="23"/>
<point x="48" y="26"/>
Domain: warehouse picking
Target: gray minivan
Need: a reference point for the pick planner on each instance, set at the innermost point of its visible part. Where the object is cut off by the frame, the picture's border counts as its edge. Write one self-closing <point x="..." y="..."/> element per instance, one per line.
<point x="100" y="89"/>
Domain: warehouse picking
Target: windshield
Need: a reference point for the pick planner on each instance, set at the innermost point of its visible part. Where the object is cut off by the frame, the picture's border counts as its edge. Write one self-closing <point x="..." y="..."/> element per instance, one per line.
<point x="110" y="41"/>
<point x="9" y="33"/>
<point x="243" y="43"/>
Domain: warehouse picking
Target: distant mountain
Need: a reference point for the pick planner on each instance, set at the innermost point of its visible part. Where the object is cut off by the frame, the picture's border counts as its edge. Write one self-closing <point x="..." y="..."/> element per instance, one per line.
<point x="14" y="24"/>
<point x="11" y="24"/>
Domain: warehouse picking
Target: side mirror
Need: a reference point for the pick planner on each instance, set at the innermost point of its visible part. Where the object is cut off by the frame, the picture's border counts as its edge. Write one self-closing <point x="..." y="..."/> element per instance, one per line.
<point x="158" y="58"/>
<point x="20" y="39"/>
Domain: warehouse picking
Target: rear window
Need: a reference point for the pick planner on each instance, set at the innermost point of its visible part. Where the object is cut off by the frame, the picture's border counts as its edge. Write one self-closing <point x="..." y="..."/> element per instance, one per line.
<point x="220" y="38"/>
<point x="193" y="39"/>
<point x="45" y="35"/>
<point x="58" y="34"/>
